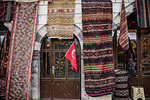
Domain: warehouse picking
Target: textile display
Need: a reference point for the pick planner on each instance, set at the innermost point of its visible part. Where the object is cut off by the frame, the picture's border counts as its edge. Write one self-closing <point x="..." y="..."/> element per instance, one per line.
<point x="21" y="50"/>
<point x="4" y="60"/>
<point x="130" y="62"/>
<point x="60" y="19"/>
<point x="2" y="87"/>
<point x="123" y="36"/>
<point x="143" y="13"/>
<point x="98" y="47"/>
<point x="6" y="11"/>
<point x="4" y="54"/>
<point x="121" y="91"/>
<point x="131" y="65"/>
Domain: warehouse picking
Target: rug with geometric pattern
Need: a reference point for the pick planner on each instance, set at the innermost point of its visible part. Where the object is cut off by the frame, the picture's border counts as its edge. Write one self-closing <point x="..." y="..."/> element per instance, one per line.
<point x="22" y="42"/>
<point x="98" y="47"/>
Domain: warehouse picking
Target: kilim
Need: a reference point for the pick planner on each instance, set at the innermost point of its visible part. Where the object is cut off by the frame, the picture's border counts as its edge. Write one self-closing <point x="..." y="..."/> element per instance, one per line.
<point x="6" y="11"/>
<point x="123" y="37"/>
<point x="21" y="50"/>
<point x="121" y="91"/>
<point x="60" y="19"/>
<point x="98" y="47"/>
<point x="130" y="62"/>
<point x="143" y="13"/>
<point x="2" y="87"/>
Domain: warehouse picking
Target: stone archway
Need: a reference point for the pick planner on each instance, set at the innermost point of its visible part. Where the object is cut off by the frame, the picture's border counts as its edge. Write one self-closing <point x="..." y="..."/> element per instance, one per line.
<point x="35" y="69"/>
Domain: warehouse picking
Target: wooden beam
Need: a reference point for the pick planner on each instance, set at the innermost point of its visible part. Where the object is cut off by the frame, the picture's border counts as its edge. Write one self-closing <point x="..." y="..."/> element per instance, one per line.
<point x="139" y="65"/>
<point x="115" y="49"/>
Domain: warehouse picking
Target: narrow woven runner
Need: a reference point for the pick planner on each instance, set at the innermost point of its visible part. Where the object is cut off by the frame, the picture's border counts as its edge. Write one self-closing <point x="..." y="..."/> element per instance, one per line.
<point x="21" y="50"/>
<point x="6" y="11"/>
<point x="98" y="47"/>
<point x="121" y="91"/>
<point x="123" y="37"/>
<point x="60" y="19"/>
<point x="143" y="11"/>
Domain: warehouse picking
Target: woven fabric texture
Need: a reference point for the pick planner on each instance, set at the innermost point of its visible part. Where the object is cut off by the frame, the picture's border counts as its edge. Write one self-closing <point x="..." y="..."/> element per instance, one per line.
<point x="121" y="91"/>
<point x="143" y="13"/>
<point x="22" y="42"/>
<point x="60" y="19"/>
<point x="97" y="47"/>
<point x="123" y="37"/>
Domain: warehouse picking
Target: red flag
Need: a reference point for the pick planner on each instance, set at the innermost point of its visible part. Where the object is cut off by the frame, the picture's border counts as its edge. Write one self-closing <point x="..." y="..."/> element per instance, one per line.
<point x="71" y="55"/>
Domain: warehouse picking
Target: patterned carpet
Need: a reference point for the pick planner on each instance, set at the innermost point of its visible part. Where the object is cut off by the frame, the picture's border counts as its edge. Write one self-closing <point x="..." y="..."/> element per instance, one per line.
<point x="121" y="91"/>
<point x="60" y="19"/>
<point x="98" y="47"/>
<point x="22" y="41"/>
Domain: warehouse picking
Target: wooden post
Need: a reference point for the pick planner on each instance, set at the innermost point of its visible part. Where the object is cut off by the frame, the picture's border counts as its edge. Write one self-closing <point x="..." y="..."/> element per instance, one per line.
<point x="139" y="65"/>
<point x="115" y="49"/>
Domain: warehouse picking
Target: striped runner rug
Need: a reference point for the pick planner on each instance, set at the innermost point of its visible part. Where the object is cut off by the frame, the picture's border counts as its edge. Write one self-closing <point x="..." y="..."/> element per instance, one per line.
<point x="98" y="47"/>
<point x="22" y="42"/>
<point x="143" y="13"/>
<point x="60" y="19"/>
<point x="123" y="36"/>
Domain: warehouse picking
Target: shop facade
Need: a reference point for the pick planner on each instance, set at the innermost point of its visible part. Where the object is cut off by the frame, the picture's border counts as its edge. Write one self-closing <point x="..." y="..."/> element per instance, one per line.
<point x="51" y="76"/>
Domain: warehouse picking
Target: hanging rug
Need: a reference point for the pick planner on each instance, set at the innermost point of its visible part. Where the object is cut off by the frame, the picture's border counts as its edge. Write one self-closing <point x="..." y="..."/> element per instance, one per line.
<point x="21" y="50"/>
<point x="143" y="13"/>
<point x="98" y="47"/>
<point x="60" y="19"/>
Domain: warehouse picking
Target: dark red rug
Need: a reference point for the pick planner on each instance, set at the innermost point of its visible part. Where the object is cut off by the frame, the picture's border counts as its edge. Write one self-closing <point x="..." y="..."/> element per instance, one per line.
<point x="98" y="47"/>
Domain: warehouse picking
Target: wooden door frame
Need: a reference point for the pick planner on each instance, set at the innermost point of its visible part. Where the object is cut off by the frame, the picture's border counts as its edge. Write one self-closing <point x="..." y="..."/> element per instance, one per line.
<point x="35" y="70"/>
<point x="52" y="51"/>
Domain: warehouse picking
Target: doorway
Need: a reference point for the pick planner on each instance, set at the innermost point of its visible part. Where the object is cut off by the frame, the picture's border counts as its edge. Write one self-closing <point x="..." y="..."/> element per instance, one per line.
<point x="57" y="80"/>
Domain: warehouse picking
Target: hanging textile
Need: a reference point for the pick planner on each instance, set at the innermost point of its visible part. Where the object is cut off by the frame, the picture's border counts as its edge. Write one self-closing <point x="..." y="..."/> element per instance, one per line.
<point x="143" y="13"/>
<point x="121" y="91"/>
<point x="130" y="62"/>
<point x="21" y="50"/>
<point x="60" y="19"/>
<point x="123" y="37"/>
<point x="3" y="62"/>
<point x="2" y="88"/>
<point x="98" y="47"/>
<point x="6" y="11"/>
<point x="4" y="53"/>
